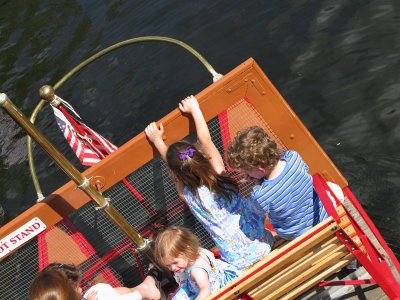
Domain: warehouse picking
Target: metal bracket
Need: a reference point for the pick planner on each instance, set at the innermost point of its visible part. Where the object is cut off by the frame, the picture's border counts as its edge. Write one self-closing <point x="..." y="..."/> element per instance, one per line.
<point x="106" y="204"/>
<point x="84" y="184"/>
<point x="144" y="246"/>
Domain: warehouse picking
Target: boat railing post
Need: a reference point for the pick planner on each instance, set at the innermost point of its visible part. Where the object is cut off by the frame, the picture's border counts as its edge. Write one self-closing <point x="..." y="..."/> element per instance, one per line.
<point x="82" y="182"/>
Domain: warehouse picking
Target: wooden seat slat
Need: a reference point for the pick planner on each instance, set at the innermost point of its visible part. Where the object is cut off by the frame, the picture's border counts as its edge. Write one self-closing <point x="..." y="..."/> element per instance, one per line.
<point x="298" y="267"/>
<point x="318" y="278"/>
<point x="302" y="273"/>
<point x="287" y="258"/>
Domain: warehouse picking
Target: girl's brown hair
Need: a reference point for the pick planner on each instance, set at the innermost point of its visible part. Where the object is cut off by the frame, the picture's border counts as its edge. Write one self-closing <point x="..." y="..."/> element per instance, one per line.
<point x="176" y="242"/>
<point x="52" y="285"/>
<point x="72" y="272"/>
<point x="196" y="171"/>
<point x="252" y="148"/>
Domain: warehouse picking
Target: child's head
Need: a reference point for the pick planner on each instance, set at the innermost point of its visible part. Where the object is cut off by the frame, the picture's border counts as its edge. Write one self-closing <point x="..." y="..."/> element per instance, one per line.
<point x="194" y="170"/>
<point x="52" y="285"/>
<point x="72" y="272"/>
<point x="189" y="164"/>
<point x="252" y="149"/>
<point x="176" y="248"/>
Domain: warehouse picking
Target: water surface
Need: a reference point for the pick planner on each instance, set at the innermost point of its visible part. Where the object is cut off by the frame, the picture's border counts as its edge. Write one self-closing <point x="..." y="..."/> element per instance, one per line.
<point x="335" y="62"/>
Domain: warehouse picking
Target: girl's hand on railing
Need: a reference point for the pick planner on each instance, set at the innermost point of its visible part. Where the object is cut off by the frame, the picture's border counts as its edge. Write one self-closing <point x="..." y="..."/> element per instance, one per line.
<point x="189" y="105"/>
<point x="154" y="134"/>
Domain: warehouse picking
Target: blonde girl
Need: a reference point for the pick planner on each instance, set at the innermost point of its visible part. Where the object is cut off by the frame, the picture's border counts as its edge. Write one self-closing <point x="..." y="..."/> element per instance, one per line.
<point x="196" y="270"/>
<point x="236" y="225"/>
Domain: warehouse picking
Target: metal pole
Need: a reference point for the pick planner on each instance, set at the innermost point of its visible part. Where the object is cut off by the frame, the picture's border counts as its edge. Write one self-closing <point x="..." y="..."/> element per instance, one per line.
<point x="73" y="173"/>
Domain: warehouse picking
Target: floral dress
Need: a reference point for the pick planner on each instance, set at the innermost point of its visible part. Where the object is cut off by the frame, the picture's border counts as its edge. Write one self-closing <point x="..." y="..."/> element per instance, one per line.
<point x="219" y="274"/>
<point x="236" y="226"/>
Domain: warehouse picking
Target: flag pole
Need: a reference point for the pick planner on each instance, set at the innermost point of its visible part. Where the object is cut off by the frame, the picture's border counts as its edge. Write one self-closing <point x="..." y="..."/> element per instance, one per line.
<point x="82" y="182"/>
<point x="47" y="93"/>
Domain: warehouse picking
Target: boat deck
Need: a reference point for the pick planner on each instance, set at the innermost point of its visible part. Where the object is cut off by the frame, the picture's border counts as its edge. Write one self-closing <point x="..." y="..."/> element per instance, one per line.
<point x="137" y="181"/>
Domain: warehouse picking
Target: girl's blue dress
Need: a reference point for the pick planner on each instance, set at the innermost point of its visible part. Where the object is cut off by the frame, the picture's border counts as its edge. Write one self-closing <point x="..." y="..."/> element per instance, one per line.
<point x="219" y="273"/>
<point x="236" y="226"/>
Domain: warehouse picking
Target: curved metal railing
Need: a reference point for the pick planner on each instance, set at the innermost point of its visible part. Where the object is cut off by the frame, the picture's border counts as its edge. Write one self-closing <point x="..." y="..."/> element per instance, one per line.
<point x="89" y="60"/>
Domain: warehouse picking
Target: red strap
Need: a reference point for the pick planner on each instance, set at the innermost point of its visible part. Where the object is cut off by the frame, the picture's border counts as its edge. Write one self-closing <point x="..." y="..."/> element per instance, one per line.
<point x="139" y="263"/>
<point x="346" y="282"/>
<point x="321" y="187"/>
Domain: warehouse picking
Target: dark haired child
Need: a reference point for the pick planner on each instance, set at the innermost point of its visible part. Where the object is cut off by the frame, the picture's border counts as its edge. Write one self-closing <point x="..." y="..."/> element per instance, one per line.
<point x="53" y="285"/>
<point x="59" y="280"/>
<point x="236" y="225"/>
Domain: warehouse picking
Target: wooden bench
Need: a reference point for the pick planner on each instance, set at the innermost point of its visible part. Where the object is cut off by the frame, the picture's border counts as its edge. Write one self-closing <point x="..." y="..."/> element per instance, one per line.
<point x="292" y="268"/>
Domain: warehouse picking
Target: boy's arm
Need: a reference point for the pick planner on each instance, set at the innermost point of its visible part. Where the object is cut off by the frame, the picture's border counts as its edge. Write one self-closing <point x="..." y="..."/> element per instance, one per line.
<point x="190" y="105"/>
<point x="155" y="135"/>
<point x="200" y="276"/>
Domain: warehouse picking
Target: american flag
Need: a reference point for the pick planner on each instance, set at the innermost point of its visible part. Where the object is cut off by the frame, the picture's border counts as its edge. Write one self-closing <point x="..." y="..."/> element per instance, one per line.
<point x="89" y="146"/>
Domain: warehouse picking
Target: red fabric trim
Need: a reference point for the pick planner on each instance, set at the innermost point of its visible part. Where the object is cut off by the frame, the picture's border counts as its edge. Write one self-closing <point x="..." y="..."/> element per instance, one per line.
<point x="43" y="254"/>
<point x="103" y="260"/>
<point x="139" y="263"/>
<point x="248" y="101"/>
<point x="225" y="133"/>
<point x="377" y="268"/>
<point x="384" y="279"/>
<point x="372" y="226"/>
<point x="321" y="187"/>
<point x="88" y="250"/>
<point x="375" y="257"/>
<point x="374" y="263"/>
<point x="139" y="196"/>
<point x="85" y="247"/>
<point x="346" y="282"/>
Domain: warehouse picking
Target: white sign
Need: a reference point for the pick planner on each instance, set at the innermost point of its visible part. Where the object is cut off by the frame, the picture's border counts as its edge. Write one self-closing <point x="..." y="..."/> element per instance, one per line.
<point x="20" y="236"/>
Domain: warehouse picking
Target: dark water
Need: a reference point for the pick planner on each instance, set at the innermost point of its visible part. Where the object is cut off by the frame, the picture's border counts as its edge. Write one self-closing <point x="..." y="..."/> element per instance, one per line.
<point x="336" y="62"/>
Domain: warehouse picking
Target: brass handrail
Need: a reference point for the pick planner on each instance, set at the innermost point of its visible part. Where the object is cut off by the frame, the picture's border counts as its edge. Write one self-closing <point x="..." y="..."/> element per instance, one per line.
<point x="92" y="58"/>
<point x="73" y="173"/>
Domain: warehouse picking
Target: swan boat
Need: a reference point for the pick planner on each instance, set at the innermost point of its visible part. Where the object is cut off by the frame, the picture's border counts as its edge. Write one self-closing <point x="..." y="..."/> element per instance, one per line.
<point x="105" y="218"/>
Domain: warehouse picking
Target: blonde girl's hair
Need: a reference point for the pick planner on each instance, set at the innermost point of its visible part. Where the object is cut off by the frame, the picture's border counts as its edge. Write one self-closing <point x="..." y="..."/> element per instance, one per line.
<point x="252" y="148"/>
<point x="194" y="170"/>
<point x="52" y="285"/>
<point x="176" y="242"/>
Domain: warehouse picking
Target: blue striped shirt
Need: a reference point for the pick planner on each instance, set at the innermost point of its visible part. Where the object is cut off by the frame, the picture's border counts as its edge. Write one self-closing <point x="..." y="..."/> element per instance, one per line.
<point x="292" y="205"/>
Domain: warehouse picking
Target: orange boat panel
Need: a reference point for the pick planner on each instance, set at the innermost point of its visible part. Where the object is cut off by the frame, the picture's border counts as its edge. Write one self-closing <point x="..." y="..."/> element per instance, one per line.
<point x="247" y="81"/>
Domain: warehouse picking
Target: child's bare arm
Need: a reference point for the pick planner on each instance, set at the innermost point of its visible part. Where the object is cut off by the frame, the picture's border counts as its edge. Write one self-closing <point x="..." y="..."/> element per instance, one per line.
<point x="200" y="276"/>
<point x="147" y="289"/>
<point x="155" y="135"/>
<point x="191" y="106"/>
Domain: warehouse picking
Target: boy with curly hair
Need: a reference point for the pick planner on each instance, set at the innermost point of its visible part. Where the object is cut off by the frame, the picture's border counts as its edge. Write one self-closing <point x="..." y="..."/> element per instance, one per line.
<point x="284" y="187"/>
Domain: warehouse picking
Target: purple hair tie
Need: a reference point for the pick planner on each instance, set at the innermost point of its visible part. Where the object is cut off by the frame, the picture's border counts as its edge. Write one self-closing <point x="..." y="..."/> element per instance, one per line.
<point x="188" y="153"/>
